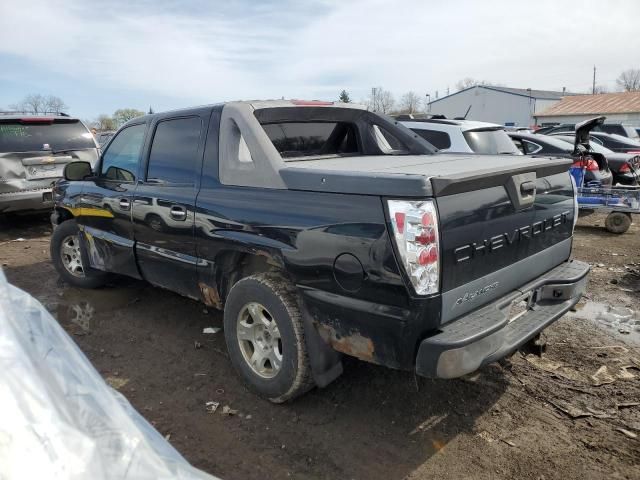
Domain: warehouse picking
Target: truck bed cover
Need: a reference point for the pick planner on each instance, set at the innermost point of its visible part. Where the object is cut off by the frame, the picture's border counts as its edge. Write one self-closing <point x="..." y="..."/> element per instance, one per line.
<point x="413" y="175"/>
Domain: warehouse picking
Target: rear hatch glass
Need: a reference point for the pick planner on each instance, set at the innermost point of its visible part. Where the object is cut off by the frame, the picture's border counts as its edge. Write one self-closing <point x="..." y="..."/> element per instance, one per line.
<point x="491" y="142"/>
<point x="30" y="136"/>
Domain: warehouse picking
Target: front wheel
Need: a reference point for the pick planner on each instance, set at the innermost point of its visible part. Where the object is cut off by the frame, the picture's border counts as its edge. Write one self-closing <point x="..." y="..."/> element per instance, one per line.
<point x="69" y="261"/>
<point x="265" y="337"/>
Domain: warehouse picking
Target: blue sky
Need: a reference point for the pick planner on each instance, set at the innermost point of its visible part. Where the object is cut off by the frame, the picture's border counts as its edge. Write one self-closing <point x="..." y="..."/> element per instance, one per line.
<point x="100" y="56"/>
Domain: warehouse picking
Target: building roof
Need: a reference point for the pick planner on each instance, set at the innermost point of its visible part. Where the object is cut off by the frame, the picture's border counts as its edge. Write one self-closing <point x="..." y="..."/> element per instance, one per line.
<point x="521" y="92"/>
<point x="603" y="103"/>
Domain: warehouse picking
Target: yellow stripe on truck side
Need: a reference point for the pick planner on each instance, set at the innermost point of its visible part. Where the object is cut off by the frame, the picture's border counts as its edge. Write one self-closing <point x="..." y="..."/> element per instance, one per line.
<point x="89" y="212"/>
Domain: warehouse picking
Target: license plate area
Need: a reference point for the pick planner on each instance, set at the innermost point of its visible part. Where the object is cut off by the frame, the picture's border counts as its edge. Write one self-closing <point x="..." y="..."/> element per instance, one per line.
<point x="38" y="172"/>
<point x="520" y="306"/>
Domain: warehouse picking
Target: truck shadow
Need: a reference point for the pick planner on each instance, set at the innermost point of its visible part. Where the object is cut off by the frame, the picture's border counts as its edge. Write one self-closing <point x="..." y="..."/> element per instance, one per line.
<point x="372" y="422"/>
<point x="25" y="226"/>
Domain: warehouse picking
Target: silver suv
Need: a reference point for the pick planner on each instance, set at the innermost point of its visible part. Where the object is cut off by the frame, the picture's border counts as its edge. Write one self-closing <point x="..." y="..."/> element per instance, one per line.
<point x="466" y="136"/>
<point x="33" y="153"/>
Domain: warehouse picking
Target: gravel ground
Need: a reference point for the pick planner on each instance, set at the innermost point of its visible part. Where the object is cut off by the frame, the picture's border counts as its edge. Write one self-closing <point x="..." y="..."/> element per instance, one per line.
<point x="572" y="413"/>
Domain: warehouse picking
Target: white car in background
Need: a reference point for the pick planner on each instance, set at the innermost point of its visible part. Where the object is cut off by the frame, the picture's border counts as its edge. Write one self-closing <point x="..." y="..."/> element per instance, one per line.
<point x="464" y="136"/>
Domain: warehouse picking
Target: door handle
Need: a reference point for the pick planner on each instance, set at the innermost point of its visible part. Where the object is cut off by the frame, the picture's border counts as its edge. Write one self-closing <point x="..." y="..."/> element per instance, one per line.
<point x="178" y="213"/>
<point x="125" y="204"/>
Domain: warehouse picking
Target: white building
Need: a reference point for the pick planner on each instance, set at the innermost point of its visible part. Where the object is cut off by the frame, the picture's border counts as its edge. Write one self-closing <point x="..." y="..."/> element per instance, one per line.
<point x="505" y="106"/>
<point x="621" y="107"/>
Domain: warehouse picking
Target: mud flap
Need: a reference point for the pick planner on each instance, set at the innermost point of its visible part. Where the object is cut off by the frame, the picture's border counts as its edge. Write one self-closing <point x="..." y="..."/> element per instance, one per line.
<point x="326" y="363"/>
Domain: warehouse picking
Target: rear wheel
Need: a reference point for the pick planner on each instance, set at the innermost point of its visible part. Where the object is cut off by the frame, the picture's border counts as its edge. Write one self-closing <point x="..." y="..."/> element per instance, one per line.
<point x="69" y="260"/>
<point x="618" y="222"/>
<point x="265" y="337"/>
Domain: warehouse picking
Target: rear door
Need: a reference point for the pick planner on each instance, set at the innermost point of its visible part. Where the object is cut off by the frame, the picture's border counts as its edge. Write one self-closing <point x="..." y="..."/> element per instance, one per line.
<point x="104" y="208"/>
<point x="164" y="202"/>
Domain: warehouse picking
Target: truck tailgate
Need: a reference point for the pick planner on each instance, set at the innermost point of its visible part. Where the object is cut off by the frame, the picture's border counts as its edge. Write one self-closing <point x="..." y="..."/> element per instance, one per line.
<point x="491" y="244"/>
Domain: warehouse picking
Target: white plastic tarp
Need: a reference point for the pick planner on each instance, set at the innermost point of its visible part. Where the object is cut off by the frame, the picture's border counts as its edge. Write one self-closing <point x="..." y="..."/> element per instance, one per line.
<point x="58" y="418"/>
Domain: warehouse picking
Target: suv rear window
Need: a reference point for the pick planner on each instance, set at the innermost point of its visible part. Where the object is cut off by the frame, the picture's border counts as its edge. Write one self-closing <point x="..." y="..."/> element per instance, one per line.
<point x="493" y="142"/>
<point x="28" y="136"/>
<point x="302" y="139"/>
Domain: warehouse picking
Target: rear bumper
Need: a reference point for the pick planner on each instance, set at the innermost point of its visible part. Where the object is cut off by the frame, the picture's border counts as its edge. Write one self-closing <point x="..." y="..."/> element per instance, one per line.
<point x="36" y="199"/>
<point x="492" y="332"/>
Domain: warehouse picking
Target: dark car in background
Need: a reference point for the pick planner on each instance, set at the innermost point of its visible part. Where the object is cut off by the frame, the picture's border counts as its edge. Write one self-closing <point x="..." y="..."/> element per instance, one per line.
<point x="33" y="153"/>
<point x="625" y="167"/>
<point x="620" y="129"/>
<point x="617" y="143"/>
<point x="597" y="170"/>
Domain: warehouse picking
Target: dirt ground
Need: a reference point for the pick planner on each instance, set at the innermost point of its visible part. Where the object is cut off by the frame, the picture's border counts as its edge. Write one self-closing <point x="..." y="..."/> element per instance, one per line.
<point x="529" y="418"/>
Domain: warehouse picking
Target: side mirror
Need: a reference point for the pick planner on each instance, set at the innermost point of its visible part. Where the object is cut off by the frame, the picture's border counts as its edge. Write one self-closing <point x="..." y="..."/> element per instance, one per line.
<point x="76" y="171"/>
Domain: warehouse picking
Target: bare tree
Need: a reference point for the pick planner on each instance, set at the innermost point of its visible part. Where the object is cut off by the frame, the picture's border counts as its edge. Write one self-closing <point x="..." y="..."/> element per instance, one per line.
<point x="472" y="82"/>
<point x="629" y="80"/>
<point x="32" y="103"/>
<point x="123" y="115"/>
<point x="37" y="103"/>
<point x="55" y="104"/>
<point x="380" y="100"/>
<point x="410" y="102"/>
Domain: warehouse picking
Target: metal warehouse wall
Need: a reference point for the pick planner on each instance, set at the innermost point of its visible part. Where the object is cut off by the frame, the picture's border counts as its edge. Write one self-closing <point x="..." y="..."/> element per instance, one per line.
<point x="491" y="106"/>
<point x="628" y="118"/>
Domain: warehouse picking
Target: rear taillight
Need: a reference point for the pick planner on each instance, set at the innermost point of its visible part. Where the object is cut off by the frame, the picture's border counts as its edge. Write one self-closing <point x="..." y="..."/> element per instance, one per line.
<point x="625" y="168"/>
<point x="588" y="164"/>
<point x="415" y="233"/>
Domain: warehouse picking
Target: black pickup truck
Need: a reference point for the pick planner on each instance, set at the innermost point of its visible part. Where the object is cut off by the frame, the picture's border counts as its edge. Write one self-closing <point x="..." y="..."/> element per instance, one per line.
<point x="324" y="229"/>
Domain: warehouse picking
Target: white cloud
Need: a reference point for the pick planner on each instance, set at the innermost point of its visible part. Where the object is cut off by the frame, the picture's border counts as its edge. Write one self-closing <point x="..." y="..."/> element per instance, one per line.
<point x="197" y="54"/>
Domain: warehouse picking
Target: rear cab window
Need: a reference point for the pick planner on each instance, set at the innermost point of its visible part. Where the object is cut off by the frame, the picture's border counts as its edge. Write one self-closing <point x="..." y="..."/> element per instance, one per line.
<point x="303" y="139"/>
<point x="34" y="135"/>
<point x="490" y="141"/>
<point x="317" y="133"/>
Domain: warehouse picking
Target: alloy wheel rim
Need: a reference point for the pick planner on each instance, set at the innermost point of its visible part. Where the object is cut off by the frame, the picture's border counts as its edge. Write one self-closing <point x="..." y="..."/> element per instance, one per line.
<point x="259" y="340"/>
<point x="70" y="255"/>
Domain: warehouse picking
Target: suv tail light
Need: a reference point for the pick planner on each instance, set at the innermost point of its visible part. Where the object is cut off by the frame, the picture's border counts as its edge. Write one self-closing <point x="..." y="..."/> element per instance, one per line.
<point x="588" y="163"/>
<point x="625" y="168"/>
<point x="415" y="233"/>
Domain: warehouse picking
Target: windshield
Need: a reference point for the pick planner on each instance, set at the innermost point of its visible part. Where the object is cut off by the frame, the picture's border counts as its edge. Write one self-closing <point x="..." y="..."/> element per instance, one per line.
<point x="494" y="142"/>
<point x="18" y="136"/>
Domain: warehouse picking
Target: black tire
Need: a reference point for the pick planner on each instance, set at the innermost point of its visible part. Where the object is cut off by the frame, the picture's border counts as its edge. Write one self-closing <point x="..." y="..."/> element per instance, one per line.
<point x="90" y="278"/>
<point x="155" y="222"/>
<point x="618" y="222"/>
<point x="278" y="297"/>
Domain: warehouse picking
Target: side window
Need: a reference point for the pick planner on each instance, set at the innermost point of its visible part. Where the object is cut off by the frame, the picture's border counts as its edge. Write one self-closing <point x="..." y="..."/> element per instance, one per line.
<point x="530" y="147"/>
<point x="120" y="160"/>
<point x="440" y="140"/>
<point x="174" y="151"/>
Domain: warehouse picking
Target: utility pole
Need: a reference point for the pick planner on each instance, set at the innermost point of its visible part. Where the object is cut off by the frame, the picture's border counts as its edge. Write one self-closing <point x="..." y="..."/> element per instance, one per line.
<point x="593" y="91"/>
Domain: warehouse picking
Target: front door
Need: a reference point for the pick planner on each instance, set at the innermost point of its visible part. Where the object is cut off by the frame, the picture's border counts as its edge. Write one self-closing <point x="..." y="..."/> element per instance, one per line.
<point x="163" y="205"/>
<point x="104" y="208"/>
